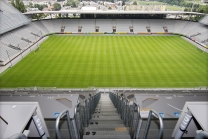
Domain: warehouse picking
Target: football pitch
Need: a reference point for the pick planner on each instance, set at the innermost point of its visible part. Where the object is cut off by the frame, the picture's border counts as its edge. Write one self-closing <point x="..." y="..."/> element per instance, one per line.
<point x="110" y="61"/>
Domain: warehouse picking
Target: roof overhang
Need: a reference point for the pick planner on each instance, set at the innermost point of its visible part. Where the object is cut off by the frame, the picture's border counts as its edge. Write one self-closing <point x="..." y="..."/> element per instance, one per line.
<point x="111" y="12"/>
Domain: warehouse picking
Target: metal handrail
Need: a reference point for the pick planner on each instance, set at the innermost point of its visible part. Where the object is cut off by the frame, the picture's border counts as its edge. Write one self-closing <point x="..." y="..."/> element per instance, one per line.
<point x="65" y="112"/>
<point x="132" y="120"/>
<point x="90" y="105"/>
<point x="81" y="120"/>
<point x="138" y="123"/>
<point x="148" y="124"/>
<point x="122" y="106"/>
<point x="76" y="120"/>
<point x="86" y="112"/>
<point x="18" y="136"/>
<point x="119" y="104"/>
<point x="128" y="113"/>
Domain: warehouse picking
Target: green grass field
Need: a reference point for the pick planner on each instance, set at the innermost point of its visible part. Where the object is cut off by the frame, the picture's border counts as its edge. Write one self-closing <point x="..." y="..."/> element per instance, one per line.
<point x="110" y="61"/>
<point x="168" y="7"/>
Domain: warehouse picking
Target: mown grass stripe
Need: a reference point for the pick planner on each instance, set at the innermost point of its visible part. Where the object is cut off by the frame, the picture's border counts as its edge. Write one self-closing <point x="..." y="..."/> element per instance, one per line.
<point x="111" y="61"/>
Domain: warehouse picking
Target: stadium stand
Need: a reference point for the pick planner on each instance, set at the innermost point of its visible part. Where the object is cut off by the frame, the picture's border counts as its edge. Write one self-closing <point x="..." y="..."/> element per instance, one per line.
<point x="25" y="36"/>
<point x="88" y="25"/>
<point x="41" y="27"/>
<point x="140" y="25"/>
<point x="202" y="37"/>
<point x="196" y="29"/>
<point x="11" y="38"/>
<point x="10" y="17"/>
<point x="7" y="53"/>
<point x="71" y="25"/>
<point x="188" y="27"/>
<point x="57" y="25"/>
<point x="180" y="26"/>
<point x="123" y="25"/>
<point x="48" y="24"/>
<point x="170" y="24"/>
<point x="92" y="114"/>
<point x="156" y="25"/>
<point x="104" y="25"/>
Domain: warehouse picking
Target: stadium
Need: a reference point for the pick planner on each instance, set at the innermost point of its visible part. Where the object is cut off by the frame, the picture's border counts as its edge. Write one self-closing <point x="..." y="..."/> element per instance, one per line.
<point x="106" y="75"/>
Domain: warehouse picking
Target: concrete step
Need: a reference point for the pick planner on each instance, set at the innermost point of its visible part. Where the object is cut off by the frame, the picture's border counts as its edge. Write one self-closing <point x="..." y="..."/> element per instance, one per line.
<point x="106" y="133"/>
<point x="104" y="127"/>
<point x="104" y="109"/>
<point x="106" y="123"/>
<point x="106" y="100"/>
<point x="98" y="122"/>
<point x="106" y="137"/>
<point x="101" y="105"/>
<point x="105" y="114"/>
<point x="105" y="103"/>
<point x="106" y="117"/>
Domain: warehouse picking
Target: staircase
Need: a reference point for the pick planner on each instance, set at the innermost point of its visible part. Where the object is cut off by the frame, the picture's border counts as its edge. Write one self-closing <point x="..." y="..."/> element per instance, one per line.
<point x="102" y="121"/>
<point x="106" y="123"/>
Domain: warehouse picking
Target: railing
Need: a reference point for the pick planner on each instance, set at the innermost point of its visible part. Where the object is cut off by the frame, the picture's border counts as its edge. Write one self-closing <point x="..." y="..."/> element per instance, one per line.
<point x="78" y="121"/>
<point x="90" y="105"/>
<point x="18" y="136"/>
<point x="135" y="123"/>
<point x="65" y="112"/>
<point x="81" y="117"/>
<point x="122" y="106"/>
<point x="127" y="111"/>
<point x="86" y="112"/>
<point x="132" y="125"/>
<point x="148" y="124"/>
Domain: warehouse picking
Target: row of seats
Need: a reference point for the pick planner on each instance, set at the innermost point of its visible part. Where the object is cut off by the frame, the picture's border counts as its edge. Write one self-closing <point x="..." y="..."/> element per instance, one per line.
<point x="122" y="25"/>
<point x="18" y="40"/>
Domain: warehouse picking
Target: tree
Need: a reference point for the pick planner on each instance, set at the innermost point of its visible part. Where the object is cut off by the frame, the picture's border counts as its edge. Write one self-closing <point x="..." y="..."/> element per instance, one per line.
<point x="134" y="3"/>
<point x="18" y="4"/>
<point x="74" y="14"/>
<point x="40" y="7"/>
<point x="72" y="3"/>
<point x="203" y="9"/>
<point x="187" y="9"/>
<point x="56" y="7"/>
<point x="59" y="15"/>
<point x="38" y="16"/>
<point x="30" y="5"/>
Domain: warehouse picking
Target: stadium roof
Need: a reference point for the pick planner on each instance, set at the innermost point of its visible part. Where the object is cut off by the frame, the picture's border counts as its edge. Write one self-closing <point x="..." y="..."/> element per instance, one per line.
<point x="10" y="17"/>
<point x="112" y="12"/>
<point x="89" y="8"/>
<point x="204" y="20"/>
